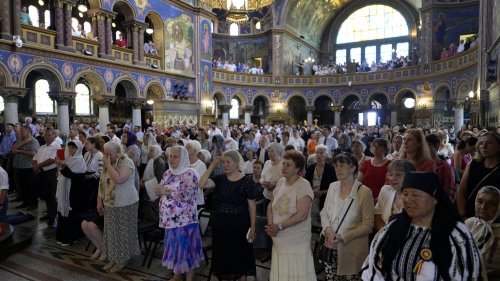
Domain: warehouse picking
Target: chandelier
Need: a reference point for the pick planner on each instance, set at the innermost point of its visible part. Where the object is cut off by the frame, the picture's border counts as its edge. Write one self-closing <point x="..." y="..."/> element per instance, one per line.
<point x="237" y="10"/>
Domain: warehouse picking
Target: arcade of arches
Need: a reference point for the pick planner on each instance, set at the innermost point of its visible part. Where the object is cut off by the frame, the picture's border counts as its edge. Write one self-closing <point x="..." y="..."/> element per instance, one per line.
<point x="368" y="71"/>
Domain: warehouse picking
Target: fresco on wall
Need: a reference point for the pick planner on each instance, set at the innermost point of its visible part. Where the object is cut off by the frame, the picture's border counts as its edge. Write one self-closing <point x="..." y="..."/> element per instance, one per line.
<point x="244" y="51"/>
<point x="294" y="55"/>
<point x="179" y="43"/>
<point x="206" y="40"/>
<point x="206" y="78"/>
<point x="449" y="24"/>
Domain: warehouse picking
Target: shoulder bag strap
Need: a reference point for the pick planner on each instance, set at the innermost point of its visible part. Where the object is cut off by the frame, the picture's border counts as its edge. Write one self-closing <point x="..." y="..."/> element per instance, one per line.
<point x="348" y="207"/>
<point x="479" y="183"/>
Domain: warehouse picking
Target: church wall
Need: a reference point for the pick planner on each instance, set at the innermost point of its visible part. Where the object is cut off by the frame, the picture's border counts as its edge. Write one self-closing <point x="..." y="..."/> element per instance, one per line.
<point x="243" y="50"/>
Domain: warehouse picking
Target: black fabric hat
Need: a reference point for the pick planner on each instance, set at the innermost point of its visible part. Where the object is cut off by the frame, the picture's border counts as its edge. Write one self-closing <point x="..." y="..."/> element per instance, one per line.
<point x="427" y="182"/>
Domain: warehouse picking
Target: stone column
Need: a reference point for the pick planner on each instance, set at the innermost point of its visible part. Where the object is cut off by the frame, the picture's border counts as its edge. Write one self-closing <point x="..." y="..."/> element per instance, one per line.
<point x="310" y="110"/>
<point x="11" y="100"/>
<point x="277" y="50"/>
<point x="136" y="111"/>
<point x="16" y="17"/>
<point x="336" y="111"/>
<point x="225" y="115"/>
<point x="141" y="43"/>
<point x="99" y="29"/>
<point x="41" y="18"/>
<point x="109" y="35"/>
<point x="135" y="43"/>
<point x="248" y="113"/>
<point x="5" y="28"/>
<point x="103" y="103"/>
<point x="68" y="36"/>
<point x="459" y="116"/>
<point x="59" y="23"/>
<point x="63" y="99"/>
<point x="426" y="38"/>
<point x="394" y="115"/>
<point x="128" y="35"/>
<point x="93" y="22"/>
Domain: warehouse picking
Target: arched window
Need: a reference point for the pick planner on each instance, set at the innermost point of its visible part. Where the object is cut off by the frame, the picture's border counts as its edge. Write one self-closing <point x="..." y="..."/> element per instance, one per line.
<point x="43" y="103"/>
<point x="33" y="12"/>
<point x="2" y="105"/>
<point x="74" y="23"/>
<point x="118" y="32"/>
<point x="375" y="33"/>
<point x="47" y="18"/>
<point x="87" y="27"/>
<point x="82" y="99"/>
<point x="215" y="104"/>
<point x="234" y="29"/>
<point x="234" y="113"/>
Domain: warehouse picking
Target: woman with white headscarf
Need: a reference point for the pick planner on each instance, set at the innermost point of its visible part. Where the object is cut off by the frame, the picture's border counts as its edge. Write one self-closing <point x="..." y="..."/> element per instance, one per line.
<point x="68" y="200"/>
<point x="484" y="226"/>
<point x="233" y="217"/>
<point x="178" y="215"/>
<point x="156" y="165"/>
<point x="147" y="141"/>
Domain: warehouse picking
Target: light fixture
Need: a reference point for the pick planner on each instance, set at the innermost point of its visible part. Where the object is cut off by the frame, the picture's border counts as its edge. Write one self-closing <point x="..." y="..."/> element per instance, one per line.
<point x="409" y="102"/>
<point x="150" y="102"/>
<point x="18" y="41"/>
<point x="113" y="24"/>
<point x="40" y="2"/>
<point x="82" y="7"/>
<point x="257" y="25"/>
<point x="154" y="66"/>
<point x="149" y="30"/>
<point x="80" y="14"/>
<point x="471" y="94"/>
<point x="87" y="53"/>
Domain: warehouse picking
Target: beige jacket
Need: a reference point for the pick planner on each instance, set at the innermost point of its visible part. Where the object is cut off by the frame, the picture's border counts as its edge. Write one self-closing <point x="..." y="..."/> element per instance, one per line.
<point x="358" y="223"/>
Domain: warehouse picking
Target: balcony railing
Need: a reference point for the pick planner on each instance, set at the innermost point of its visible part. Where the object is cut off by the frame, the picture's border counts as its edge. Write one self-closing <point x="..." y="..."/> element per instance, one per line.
<point x="457" y="61"/>
<point x="91" y="46"/>
<point x="236" y="77"/>
<point x="38" y="37"/>
<point x="123" y="54"/>
<point x="153" y="60"/>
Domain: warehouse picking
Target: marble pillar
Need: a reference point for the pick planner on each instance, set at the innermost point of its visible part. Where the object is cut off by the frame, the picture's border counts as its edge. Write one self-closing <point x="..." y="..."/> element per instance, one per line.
<point x="135" y="44"/>
<point x="225" y="115"/>
<point x="101" y="34"/>
<point x="59" y="24"/>
<point x="41" y="18"/>
<point x="310" y="111"/>
<point x="103" y="116"/>
<point x="11" y="102"/>
<point x="68" y="36"/>
<point x="136" y="111"/>
<point x="63" y="99"/>
<point x="141" y="43"/>
<point x="109" y="35"/>
<point x="337" y="118"/>
<point x="5" y="28"/>
<point x="16" y="17"/>
<point x="248" y="114"/>
<point x="394" y="117"/>
<point x="459" y="116"/>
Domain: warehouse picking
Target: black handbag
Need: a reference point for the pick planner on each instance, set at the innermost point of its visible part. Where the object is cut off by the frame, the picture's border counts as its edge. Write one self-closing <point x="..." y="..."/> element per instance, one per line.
<point x="325" y="254"/>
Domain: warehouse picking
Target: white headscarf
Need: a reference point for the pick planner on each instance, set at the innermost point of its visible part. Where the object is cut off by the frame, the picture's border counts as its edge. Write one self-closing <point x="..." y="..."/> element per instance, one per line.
<point x="77" y="165"/>
<point x="481" y="230"/>
<point x="183" y="163"/>
<point x="149" y="170"/>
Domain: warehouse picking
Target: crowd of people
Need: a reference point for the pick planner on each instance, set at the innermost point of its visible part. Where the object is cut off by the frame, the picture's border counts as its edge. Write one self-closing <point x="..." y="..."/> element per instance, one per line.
<point x="233" y="67"/>
<point x="354" y="66"/>
<point x="432" y="193"/>
<point x="462" y="46"/>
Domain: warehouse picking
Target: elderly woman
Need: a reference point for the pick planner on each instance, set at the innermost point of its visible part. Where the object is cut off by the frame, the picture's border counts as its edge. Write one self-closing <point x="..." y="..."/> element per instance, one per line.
<point x="118" y="201"/>
<point x="193" y="148"/>
<point x="233" y="217"/>
<point x="397" y="142"/>
<point x="416" y="150"/>
<point x="289" y="223"/>
<point x="485" y="170"/>
<point x="358" y="147"/>
<point x="178" y="215"/>
<point x="487" y="211"/>
<point x="390" y="199"/>
<point x="132" y="150"/>
<point x="320" y="176"/>
<point x="69" y="189"/>
<point x="372" y="172"/>
<point x="426" y="241"/>
<point x="347" y="220"/>
<point x="147" y="141"/>
<point x="271" y="172"/>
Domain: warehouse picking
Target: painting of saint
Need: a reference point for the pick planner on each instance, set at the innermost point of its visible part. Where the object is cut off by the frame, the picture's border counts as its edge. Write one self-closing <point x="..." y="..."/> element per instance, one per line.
<point x="179" y="44"/>
<point x="206" y="48"/>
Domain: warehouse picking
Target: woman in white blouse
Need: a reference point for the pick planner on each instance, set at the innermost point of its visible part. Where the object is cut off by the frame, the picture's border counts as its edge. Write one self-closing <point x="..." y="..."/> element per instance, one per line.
<point x="347" y="220"/>
<point x="390" y="199"/>
<point x="271" y="172"/>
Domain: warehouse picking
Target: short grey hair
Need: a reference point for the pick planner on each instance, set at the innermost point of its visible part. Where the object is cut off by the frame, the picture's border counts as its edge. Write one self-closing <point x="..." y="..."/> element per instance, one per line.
<point x="195" y="145"/>
<point x="321" y="146"/>
<point x="236" y="157"/>
<point x="278" y="148"/>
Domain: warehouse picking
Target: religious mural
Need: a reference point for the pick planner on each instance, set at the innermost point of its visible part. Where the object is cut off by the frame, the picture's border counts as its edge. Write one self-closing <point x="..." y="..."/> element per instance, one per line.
<point x="450" y="23"/>
<point x="206" y="40"/>
<point x="206" y="78"/>
<point x="244" y="51"/>
<point x="179" y="34"/>
<point x="294" y="56"/>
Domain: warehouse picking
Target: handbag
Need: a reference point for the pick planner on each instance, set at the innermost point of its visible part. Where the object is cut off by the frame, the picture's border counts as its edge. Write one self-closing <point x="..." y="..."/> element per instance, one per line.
<point x="325" y="254"/>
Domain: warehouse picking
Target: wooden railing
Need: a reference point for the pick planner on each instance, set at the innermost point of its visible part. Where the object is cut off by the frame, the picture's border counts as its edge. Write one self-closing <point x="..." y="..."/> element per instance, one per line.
<point x="153" y="60"/>
<point x="39" y="37"/>
<point x="236" y="77"/>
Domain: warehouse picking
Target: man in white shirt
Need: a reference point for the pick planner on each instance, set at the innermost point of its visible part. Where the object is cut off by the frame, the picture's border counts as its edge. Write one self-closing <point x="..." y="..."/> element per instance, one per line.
<point x="214" y="131"/>
<point x="138" y="133"/>
<point x="193" y="147"/>
<point x="112" y="136"/>
<point x="329" y="141"/>
<point x="44" y="165"/>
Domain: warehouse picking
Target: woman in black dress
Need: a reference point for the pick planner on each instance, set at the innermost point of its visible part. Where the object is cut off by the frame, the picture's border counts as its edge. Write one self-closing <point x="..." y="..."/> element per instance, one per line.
<point x="233" y="217"/>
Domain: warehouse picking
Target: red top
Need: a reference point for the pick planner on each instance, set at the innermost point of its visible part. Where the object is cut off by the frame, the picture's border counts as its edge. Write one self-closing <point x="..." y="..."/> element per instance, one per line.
<point x="373" y="176"/>
<point x="121" y="43"/>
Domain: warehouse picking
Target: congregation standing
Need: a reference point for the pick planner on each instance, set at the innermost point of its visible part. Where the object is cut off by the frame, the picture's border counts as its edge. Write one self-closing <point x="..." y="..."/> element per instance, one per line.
<point x="353" y="183"/>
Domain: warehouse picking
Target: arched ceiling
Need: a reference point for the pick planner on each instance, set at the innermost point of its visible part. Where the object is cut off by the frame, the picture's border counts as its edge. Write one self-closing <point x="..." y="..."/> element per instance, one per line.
<point x="310" y="18"/>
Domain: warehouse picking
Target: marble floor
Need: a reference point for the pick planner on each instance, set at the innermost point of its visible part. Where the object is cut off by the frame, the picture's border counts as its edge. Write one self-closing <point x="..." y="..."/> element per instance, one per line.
<point x="46" y="260"/>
